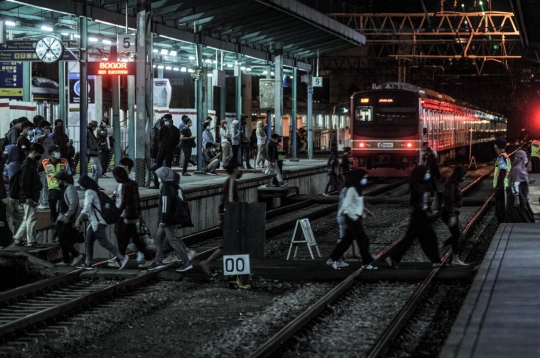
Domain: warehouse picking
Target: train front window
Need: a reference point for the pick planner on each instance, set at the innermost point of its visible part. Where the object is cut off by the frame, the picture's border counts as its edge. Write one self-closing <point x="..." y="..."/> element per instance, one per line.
<point x="395" y="114"/>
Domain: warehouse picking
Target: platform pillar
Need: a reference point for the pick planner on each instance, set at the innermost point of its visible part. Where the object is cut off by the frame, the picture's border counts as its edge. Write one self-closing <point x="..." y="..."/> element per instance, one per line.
<point x="310" y="116"/>
<point x="278" y="88"/>
<point x="131" y="116"/>
<point x="83" y="114"/>
<point x="62" y="113"/>
<point x="294" y="143"/>
<point x="199" y="81"/>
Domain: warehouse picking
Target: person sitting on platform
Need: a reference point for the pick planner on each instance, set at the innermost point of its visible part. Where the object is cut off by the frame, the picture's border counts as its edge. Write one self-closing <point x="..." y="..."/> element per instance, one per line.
<point x="211" y="159"/>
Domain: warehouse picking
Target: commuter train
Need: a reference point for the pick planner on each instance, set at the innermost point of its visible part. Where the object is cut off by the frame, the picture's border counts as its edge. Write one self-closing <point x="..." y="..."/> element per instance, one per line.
<point x="391" y="123"/>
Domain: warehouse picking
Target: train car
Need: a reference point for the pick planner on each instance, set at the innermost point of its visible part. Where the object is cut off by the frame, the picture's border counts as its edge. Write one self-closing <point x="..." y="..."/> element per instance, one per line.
<point x="391" y="123"/>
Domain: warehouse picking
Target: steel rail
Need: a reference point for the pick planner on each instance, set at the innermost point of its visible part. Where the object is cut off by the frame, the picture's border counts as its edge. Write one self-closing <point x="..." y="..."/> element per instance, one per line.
<point x="271" y="345"/>
<point x="408" y="309"/>
<point x="51" y="312"/>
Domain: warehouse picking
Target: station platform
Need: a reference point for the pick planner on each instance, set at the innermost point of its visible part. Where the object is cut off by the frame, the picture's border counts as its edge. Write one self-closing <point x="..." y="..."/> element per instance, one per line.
<point x="501" y="314"/>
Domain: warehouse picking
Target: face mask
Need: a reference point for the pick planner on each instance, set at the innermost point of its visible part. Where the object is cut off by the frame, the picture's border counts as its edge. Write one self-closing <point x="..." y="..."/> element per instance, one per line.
<point x="4" y="156"/>
<point x="57" y="155"/>
<point x="427" y="176"/>
<point x="526" y="161"/>
<point x="30" y="132"/>
<point x="167" y="124"/>
<point x="363" y="181"/>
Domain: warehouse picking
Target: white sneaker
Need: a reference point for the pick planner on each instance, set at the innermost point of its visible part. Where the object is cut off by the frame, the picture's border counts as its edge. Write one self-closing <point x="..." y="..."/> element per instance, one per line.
<point x="124" y="262"/>
<point x="147" y="264"/>
<point x="369" y="267"/>
<point x="341" y="263"/>
<point x="170" y="260"/>
<point x="140" y="257"/>
<point x="457" y="262"/>
<point x="325" y="194"/>
<point x="112" y="260"/>
<point x="333" y="264"/>
<point x="42" y="206"/>
<point x="76" y="260"/>
<point x="113" y="264"/>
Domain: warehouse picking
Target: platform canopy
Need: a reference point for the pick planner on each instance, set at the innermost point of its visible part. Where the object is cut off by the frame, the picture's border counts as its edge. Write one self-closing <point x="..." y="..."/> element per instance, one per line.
<point x="250" y="28"/>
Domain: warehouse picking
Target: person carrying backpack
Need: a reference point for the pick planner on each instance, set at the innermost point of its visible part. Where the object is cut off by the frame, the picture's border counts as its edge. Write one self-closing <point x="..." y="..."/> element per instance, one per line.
<point x="169" y="221"/>
<point x="98" y="225"/>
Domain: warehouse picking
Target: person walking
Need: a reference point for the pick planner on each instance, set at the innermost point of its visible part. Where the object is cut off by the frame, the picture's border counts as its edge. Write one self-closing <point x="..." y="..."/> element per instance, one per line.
<point x="450" y="209"/>
<point x="93" y="151"/>
<point x="69" y="205"/>
<point x="226" y="149"/>
<point x="126" y="228"/>
<point x="167" y="229"/>
<point x="27" y="190"/>
<point x="187" y="143"/>
<point x="354" y="211"/>
<point x="271" y="160"/>
<point x="46" y="141"/>
<point x="104" y="133"/>
<point x="169" y="137"/>
<point x="50" y="166"/>
<point x="333" y="164"/>
<point x="235" y="141"/>
<point x="15" y="210"/>
<point x="6" y="235"/>
<point x="97" y="228"/>
<point x="503" y="166"/>
<point x="420" y="225"/>
<point x="261" y="143"/>
<point x="518" y="208"/>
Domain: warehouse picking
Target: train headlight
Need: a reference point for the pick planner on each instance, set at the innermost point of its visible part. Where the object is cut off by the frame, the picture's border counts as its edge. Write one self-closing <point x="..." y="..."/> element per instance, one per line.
<point x="409" y="145"/>
<point x="362" y="145"/>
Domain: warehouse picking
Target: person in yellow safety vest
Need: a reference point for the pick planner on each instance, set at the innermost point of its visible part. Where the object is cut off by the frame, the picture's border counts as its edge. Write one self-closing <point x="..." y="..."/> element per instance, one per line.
<point x="500" y="178"/>
<point x="535" y="156"/>
<point x="52" y="165"/>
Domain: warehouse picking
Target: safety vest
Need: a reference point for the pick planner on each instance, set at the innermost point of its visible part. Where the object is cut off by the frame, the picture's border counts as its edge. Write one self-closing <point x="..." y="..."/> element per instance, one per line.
<point x="508" y="168"/>
<point x="51" y="170"/>
<point x="535" y="148"/>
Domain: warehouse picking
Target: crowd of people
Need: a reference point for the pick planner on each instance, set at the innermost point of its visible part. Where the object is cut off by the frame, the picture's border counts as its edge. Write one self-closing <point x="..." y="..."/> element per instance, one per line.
<point x="511" y="184"/>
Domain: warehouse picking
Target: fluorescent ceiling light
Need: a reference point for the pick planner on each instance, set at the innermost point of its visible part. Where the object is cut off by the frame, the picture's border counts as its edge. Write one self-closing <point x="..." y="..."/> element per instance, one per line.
<point x="265" y="72"/>
<point x="209" y="75"/>
<point x="191" y="70"/>
<point x="64" y="34"/>
<point x="46" y="28"/>
<point x="93" y="39"/>
<point x="230" y="65"/>
<point x="242" y="68"/>
<point x="160" y="67"/>
<point x="191" y="58"/>
<point x="155" y="50"/>
<point x="172" y="53"/>
<point x="183" y="69"/>
<point x="168" y="68"/>
<point x="77" y="36"/>
<point x="10" y="23"/>
<point x="154" y="66"/>
<point x="208" y="60"/>
<point x="164" y="51"/>
<point x="176" y="69"/>
<point x="106" y="42"/>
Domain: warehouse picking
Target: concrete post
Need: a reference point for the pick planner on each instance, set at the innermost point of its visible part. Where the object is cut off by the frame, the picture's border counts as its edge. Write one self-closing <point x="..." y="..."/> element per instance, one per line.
<point x="278" y="87"/>
<point x="310" y="116"/>
<point x="27" y="81"/>
<point x="293" y="115"/>
<point x="83" y="119"/>
<point x="131" y="116"/>
<point x="62" y="113"/>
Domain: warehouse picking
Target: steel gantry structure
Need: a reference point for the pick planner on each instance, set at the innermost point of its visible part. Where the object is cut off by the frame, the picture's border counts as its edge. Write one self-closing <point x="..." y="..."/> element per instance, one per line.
<point x="480" y="36"/>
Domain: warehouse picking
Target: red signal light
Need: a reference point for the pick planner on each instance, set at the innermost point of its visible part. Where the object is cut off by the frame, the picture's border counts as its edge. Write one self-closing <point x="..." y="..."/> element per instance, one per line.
<point x="409" y="145"/>
<point x="362" y="145"/>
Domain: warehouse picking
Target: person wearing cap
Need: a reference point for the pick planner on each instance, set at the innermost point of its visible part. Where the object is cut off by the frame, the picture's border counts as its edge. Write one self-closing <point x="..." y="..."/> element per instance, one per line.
<point x="272" y="158"/>
<point x="69" y="205"/>
<point x="500" y="178"/>
<point x="14" y="132"/>
<point x="51" y="166"/>
<point x="92" y="150"/>
<point x="46" y="141"/>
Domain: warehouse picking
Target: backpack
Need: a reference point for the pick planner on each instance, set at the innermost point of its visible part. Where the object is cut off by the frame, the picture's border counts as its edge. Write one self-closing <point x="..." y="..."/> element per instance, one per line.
<point x="14" y="187"/>
<point x="109" y="211"/>
<point x="182" y="214"/>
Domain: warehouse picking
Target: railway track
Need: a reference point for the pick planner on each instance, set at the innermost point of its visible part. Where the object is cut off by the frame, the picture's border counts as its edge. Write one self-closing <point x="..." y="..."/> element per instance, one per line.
<point x="305" y="318"/>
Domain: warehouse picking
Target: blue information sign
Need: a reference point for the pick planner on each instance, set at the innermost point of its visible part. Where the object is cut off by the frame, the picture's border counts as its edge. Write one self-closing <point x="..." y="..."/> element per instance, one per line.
<point x="11" y="80"/>
<point x="25" y="51"/>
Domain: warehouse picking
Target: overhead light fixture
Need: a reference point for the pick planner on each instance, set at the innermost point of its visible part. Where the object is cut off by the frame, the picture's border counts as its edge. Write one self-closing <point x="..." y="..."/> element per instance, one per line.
<point x="164" y="51"/>
<point x="168" y="68"/>
<point x="272" y="73"/>
<point x="77" y="36"/>
<point x="208" y="60"/>
<point x="191" y="70"/>
<point x="248" y="69"/>
<point x="176" y="69"/>
<point x="104" y="59"/>
<point x="191" y="58"/>
<point x="93" y="39"/>
<point x="214" y="61"/>
<point x="155" y="50"/>
<point x="264" y="72"/>
<point x="230" y="65"/>
<point x="209" y="75"/>
<point x="46" y="28"/>
<point x="154" y="66"/>
<point x="242" y="68"/>
<point x="173" y="53"/>
<point x="64" y="34"/>
<point x="183" y="69"/>
<point x="106" y="42"/>
<point x="10" y="23"/>
<point x="160" y="67"/>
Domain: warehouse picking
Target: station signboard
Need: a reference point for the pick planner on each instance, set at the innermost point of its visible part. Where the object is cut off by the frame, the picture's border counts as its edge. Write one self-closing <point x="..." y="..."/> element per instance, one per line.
<point x="11" y="80"/>
<point x="75" y="88"/>
<point x="111" y="68"/>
